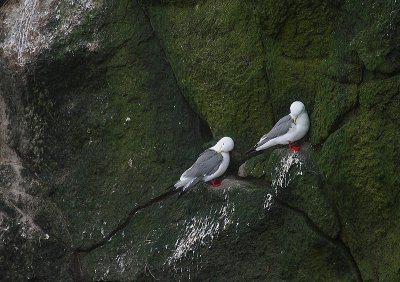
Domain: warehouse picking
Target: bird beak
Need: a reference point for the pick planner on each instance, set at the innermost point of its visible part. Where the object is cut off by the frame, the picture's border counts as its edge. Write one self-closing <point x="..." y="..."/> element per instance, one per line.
<point x="295" y="119"/>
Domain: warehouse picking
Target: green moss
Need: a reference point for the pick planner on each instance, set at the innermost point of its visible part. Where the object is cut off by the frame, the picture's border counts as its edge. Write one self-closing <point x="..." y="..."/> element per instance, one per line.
<point x="374" y="35"/>
<point x="333" y="100"/>
<point x="290" y="80"/>
<point x="306" y="193"/>
<point x="272" y="15"/>
<point x="381" y="96"/>
<point x="305" y="31"/>
<point x="359" y="161"/>
<point x="223" y="230"/>
<point x="119" y="131"/>
<point x="342" y="65"/>
<point x="258" y="166"/>
<point x="217" y="57"/>
<point x="296" y="181"/>
<point x="296" y="36"/>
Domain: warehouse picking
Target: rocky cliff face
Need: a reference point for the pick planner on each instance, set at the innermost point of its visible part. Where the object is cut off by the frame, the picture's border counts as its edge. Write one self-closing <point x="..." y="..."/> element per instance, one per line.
<point x="104" y="104"/>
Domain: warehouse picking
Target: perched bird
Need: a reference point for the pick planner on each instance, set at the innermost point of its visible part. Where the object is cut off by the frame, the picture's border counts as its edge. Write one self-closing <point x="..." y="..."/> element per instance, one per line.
<point x="211" y="164"/>
<point x="287" y="130"/>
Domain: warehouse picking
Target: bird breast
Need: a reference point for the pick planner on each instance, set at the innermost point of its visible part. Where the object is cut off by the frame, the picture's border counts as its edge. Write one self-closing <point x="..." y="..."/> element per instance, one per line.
<point x="222" y="168"/>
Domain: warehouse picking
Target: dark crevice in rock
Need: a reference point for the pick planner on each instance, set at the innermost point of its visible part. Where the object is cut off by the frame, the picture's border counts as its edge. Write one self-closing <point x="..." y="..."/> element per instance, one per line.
<point x="203" y="127"/>
<point x="336" y="241"/>
<point x="348" y="251"/>
<point x="120" y="45"/>
<point x="283" y="24"/>
<point x="396" y="198"/>
<point x="75" y="268"/>
<point x="388" y="75"/>
<point x="267" y="80"/>
<point x="146" y="14"/>
<point x="175" y="3"/>
<point x="340" y="122"/>
<point x="362" y="78"/>
<point x="303" y="58"/>
<point x="128" y="219"/>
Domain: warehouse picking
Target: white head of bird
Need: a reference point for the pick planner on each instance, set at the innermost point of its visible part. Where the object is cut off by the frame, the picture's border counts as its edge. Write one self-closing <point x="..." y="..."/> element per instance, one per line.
<point x="296" y="108"/>
<point x="225" y="144"/>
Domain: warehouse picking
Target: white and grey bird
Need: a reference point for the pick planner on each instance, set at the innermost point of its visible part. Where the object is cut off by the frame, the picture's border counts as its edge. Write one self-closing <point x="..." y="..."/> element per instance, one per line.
<point x="287" y="130"/>
<point x="211" y="164"/>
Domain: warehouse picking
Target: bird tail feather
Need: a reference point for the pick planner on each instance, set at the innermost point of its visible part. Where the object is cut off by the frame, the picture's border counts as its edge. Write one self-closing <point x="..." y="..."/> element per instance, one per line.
<point x="189" y="186"/>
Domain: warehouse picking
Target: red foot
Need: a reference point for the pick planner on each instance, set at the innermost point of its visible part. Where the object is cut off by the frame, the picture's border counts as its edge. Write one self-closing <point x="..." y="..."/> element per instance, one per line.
<point x="215" y="183"/>
<point x="294" y="147"/>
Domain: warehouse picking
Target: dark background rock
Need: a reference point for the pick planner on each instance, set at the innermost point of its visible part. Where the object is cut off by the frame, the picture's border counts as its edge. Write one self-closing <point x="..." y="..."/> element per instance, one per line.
<point x="104" y="104"/>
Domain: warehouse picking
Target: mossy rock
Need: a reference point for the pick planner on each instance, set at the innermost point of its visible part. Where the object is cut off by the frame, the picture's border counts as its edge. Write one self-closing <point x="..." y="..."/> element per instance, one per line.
<point x="298" y="183"/>
<point x="302" y="27"/>
<point x="217" y="57"/>
<point x="33" y="235"/>
<point x="118" y="130"/>
<point x="219" y="230"/>
<point x="374" y="37"/>
<point x="290" y="81"/>
<point x="333" y="102"/>
<point x="107" y="128"/>
<point x="360" y="164"/>
<point x="256" y="166"/>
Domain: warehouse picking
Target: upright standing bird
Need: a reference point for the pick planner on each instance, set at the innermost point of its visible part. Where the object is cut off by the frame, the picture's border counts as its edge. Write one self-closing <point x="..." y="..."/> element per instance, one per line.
<point x="287" y="130"/>
<point x="211" y="164"/>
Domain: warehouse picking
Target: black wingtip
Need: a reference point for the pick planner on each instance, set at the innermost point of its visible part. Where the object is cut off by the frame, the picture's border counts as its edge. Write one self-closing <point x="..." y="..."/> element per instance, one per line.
<point x="251" y="150"/>
<point x="184" y="190"/>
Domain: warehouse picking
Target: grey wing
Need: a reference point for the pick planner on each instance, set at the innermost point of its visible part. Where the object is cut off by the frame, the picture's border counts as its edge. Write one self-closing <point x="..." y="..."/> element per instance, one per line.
<point x="207" y="163"/>
<point x="280" y="128"/>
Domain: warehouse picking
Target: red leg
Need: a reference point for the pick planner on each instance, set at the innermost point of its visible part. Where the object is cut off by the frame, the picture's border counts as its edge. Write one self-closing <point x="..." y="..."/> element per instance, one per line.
<point x="215" y="182"/>
<point x="294" y="147"/>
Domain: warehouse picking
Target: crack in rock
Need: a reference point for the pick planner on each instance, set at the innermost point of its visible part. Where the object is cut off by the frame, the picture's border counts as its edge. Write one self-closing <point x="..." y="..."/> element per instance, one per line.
<point x="336" y="241"/>
<point x="126" y="222"/>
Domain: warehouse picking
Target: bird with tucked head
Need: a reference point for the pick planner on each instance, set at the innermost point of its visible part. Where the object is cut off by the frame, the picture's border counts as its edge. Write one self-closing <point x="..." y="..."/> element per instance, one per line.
<point x="211" y="164"/>
<point x="287" y="130"/>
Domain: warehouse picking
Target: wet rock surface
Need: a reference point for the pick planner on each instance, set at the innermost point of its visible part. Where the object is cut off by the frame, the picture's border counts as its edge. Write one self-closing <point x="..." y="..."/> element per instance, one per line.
<point x="104" y="104"/>
<point x="235" y="231"/>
